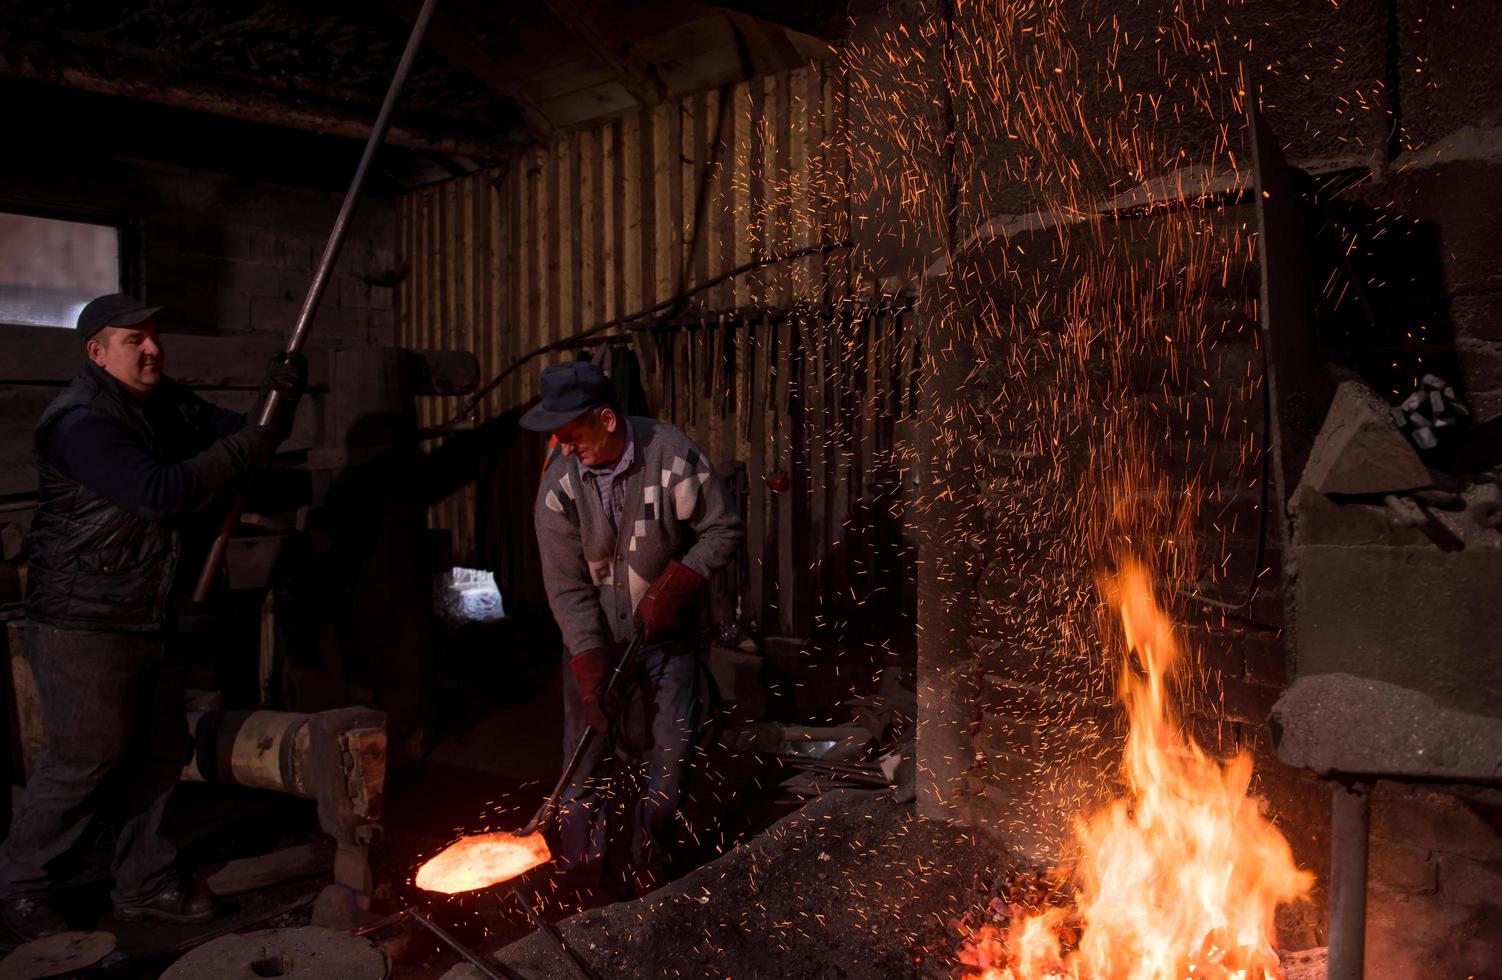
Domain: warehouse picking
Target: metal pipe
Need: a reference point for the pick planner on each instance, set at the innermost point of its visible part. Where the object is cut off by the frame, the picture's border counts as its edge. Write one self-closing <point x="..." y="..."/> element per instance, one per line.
<point x="575" y="960"/>
<point x="1350" y="820"/>
<point x="443" y="936"/>
<point x="320" y="281"/>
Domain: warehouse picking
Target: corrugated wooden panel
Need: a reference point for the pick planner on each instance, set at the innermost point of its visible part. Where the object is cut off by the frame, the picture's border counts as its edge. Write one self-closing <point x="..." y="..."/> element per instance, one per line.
<point x="617" y="217"/>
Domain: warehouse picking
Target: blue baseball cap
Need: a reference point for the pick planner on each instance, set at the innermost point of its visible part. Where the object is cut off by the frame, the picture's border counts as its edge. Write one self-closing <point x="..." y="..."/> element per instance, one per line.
<point x="568" y="391"/>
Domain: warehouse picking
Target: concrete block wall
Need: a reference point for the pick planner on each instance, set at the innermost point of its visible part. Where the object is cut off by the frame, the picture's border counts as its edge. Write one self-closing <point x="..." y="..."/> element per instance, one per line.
<point x="231" y="256"/>
<point x="1335" y="79"/>
<point x="1018" y="738"/>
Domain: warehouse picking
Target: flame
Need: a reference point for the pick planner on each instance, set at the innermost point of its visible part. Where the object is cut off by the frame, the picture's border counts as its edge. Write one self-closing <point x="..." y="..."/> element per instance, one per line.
<point x="481" y="860"/>
<point x="1178" y="878"/>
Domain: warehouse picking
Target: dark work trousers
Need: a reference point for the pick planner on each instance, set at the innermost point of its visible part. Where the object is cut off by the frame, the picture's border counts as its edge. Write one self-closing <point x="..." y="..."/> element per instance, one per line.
<point x="670" y="674"/>
<point x="117" y="739"/>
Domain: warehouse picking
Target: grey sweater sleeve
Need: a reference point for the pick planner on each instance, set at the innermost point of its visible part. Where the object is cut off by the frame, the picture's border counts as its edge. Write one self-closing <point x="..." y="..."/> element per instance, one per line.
<point x="716" y="522"/>
<point x="573" y="597"/>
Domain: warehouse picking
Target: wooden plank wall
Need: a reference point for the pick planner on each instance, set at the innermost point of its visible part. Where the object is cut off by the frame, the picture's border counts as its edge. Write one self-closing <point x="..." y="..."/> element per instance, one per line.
<point x="617" y="217"/>
<point x="804" y="408"/>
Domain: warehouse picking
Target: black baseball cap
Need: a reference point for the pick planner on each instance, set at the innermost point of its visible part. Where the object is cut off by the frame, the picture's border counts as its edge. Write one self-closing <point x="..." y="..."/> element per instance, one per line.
<point x="113" y="310"/>
<point x="568" y="391"/>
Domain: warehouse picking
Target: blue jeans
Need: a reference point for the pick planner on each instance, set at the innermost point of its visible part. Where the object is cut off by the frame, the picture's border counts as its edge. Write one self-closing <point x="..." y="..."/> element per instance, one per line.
<point x="669" y="674"/>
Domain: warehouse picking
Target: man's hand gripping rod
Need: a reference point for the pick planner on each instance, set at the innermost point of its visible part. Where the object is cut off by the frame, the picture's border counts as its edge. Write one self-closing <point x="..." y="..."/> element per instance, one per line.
<point x="549" y="806"/>
<point x="321" y="275"/>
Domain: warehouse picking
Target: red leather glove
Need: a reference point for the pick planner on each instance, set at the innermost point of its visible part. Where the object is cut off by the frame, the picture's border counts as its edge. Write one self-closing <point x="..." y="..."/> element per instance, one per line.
<point x="590" y="668"/>
<point x="659" y="609"/>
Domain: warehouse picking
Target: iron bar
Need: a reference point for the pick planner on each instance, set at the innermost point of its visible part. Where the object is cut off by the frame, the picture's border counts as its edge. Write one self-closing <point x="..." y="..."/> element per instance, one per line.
<point x="444" y="936"/>
<point x="320" y="281"/>
<point x="580" y="966"/>
<point x="1350" y="820"/>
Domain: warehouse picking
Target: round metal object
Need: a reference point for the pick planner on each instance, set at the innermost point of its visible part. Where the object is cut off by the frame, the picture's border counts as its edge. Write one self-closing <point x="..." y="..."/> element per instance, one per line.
<point x="303" y="953"/>
<point x="66" y="952"/>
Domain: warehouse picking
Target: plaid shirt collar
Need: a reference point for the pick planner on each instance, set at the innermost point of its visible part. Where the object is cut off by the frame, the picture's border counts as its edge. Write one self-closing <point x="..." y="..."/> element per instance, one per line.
<point x="610" y="473"/>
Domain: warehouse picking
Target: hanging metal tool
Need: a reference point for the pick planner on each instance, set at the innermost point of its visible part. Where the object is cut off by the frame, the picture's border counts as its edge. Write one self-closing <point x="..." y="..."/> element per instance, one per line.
<point x="321" y="275"/>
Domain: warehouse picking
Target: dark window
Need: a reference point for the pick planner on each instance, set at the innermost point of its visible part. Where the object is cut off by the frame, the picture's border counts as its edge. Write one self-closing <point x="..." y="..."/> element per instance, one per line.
<point x="50" y="267"/>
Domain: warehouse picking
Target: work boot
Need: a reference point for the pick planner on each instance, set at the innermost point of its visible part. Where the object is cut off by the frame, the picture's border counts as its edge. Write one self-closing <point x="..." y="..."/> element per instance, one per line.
<point x="31" y="917"/>
<point x="175" y="903"/>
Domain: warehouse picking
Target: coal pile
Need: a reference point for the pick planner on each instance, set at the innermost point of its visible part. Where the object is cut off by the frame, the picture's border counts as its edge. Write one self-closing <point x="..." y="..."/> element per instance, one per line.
<point x="853" y="885"/>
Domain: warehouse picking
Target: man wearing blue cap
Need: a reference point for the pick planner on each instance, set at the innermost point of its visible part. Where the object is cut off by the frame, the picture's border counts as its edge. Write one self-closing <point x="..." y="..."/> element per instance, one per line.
<point x="630" y="522"/>
<point x="124" y="456"/>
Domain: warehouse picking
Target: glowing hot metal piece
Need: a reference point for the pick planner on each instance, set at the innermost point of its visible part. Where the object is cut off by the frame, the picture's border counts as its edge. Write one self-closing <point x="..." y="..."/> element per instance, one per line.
<point x="482" y="860"/>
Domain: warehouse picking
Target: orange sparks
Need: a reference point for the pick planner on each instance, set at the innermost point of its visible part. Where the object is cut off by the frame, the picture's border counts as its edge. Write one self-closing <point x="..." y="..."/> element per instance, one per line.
<point x="482" y="860"/>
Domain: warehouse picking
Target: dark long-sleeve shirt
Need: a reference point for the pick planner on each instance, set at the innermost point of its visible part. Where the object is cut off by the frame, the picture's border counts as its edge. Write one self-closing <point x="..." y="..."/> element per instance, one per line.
<point x="108" y="458"/>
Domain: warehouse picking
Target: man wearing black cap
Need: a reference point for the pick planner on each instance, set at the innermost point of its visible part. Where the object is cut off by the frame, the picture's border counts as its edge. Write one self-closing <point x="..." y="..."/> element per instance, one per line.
<point x="630" y="522"/>
<point x="124" y="457"/>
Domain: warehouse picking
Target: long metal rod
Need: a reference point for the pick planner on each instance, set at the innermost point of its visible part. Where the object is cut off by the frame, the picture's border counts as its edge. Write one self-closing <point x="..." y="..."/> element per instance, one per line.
<point x="1350" y="821"/>
<point x="443" y="936"/>
<point x="580" y="965"/>
<point x="585" y="741"/>
<point x="321" y="275"/>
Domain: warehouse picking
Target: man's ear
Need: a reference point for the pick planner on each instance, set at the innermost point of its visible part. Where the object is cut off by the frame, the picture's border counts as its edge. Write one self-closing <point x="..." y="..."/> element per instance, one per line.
<point x="95" y="350"/>
<point x="610" y="419"/>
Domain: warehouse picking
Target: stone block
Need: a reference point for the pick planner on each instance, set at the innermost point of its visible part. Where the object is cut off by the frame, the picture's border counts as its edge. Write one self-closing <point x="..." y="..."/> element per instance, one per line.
<point x="1360" y="451"/>
<point x="1410" y="936"/>
<point x="273" y="314"/>
<point x="1213" y="650"/>
<point x="381" y="324"/>
<point x="353" y="292"/>
<point x="1448" y="70"/>
<point x="1461" y="202"/>
<point x="1417" y="617"/>
<point x="1409" y="869"/>
<point x="1477" y="316"/>
<point x="1437" y="821"/>
<point x="1480" y="369"/>
<point x="272" y="246"/>
<point x="1466" y="881"/>
<point x="231" y="313"/>
<point x="1485" y="405"/>
<point x="1245" y="701"/>
<point x="1265" y="659"/>
<point x="1341" y="723"/>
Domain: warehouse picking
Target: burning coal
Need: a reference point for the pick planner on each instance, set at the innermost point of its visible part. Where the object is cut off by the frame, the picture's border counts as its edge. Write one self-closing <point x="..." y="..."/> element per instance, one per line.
<point x="482" y="860"/>
<point x="1178" y="877"/>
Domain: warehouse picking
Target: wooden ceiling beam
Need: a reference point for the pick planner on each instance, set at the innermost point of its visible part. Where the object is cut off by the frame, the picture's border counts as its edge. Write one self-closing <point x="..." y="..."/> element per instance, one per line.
<point x="460" y="48"/>
<point x="632" y="71"/>
<point x="249" y="106"/>
<point x="768" y="45"/>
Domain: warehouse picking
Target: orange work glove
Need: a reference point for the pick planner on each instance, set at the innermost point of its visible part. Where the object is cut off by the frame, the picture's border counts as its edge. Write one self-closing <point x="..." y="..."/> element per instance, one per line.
<point x="659" y="609"/>
<point x="590" y="668"/>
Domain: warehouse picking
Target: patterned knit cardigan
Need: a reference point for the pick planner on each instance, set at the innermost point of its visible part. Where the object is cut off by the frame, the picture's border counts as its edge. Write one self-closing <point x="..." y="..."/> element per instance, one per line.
<point x="676" y="507"/>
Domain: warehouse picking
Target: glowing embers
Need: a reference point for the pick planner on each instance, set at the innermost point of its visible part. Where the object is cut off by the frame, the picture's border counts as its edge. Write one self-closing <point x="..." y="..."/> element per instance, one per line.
<point x="1178" y="878"/>
<point x="482" y="860"/>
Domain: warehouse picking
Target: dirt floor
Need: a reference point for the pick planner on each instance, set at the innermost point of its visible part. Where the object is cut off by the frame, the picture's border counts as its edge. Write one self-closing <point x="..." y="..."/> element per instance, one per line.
<point x="851" y="886"/>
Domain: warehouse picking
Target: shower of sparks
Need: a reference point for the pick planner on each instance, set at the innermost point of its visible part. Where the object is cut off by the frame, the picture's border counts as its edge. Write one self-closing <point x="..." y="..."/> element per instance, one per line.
<point x="1089" y="343"/>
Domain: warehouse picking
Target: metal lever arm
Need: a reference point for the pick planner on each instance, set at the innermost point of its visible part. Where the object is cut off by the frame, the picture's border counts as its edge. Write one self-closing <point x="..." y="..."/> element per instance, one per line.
<point x="321" y="276"/>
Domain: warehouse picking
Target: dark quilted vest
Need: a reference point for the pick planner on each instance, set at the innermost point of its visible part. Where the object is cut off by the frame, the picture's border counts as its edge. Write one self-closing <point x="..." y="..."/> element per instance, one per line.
<point x="92" y="564"/>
